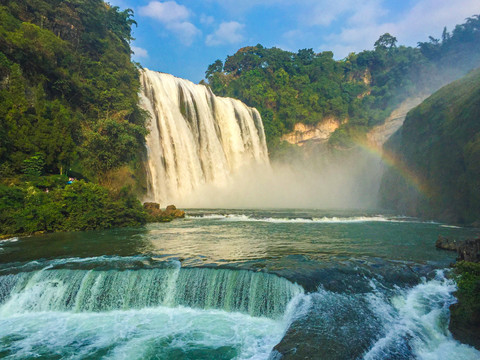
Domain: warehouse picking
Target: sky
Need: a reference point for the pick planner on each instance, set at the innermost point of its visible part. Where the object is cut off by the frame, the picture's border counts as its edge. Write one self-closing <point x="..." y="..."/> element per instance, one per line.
<point x="183" y="37"/>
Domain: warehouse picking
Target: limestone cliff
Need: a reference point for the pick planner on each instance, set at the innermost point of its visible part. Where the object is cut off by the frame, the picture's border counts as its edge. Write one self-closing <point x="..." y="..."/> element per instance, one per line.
<point x="317" y="133"/>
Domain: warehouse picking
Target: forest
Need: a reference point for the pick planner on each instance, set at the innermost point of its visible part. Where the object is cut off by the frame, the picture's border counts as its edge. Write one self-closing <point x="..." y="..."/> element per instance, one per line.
<point x="360" y="90"/>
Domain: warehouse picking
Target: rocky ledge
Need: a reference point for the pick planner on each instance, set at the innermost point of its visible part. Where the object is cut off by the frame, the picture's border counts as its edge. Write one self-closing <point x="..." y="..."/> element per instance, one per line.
<point x="155" y="214"/>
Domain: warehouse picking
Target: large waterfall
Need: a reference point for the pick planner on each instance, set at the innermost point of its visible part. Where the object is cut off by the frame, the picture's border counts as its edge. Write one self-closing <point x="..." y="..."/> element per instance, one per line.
<point x="196" y="138"/>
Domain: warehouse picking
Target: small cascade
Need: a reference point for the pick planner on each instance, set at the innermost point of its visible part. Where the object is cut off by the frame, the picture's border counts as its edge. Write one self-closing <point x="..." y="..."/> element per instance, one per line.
<point x="195" y="137"/>
<point x="66" y="290"/>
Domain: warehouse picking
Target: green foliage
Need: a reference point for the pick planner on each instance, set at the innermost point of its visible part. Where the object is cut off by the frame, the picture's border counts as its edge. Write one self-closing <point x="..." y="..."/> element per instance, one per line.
<point x="385" y="42"/>
<point x="360" y="90"/>
<point x="66" y="84"/>
<point x="82" y="205"/>
<point x="468" y="293"/>
<point x="68" y="100"/>
<point x="34" y="165"/>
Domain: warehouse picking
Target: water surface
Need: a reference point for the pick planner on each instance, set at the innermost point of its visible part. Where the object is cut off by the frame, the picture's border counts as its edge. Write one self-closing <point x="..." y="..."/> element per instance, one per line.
<point x="223" y="284"/>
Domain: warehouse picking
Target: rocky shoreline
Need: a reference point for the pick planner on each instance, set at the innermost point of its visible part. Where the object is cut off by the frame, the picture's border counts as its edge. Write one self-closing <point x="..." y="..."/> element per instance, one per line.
<point x="465" y="314"/>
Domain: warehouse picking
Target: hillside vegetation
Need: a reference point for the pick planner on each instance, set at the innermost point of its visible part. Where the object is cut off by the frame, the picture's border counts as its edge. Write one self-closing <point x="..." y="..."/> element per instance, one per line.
<point x="68" y="89"/>
<point x="440" y="142"/>
<point x="359" y="91"/>
<point x="68" y="107"/>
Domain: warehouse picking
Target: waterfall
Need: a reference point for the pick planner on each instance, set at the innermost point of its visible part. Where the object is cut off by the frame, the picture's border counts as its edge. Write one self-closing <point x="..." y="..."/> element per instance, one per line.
<point x="77" y="290"/>
<point x="196" y="138"/>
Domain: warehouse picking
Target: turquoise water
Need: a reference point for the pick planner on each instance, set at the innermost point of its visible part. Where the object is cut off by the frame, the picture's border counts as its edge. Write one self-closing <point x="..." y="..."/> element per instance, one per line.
<point x="234" y="284"/>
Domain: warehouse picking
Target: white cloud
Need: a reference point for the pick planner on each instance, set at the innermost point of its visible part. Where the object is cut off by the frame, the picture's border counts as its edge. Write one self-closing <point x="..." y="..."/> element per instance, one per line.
<point x="166" y="12"/>
<point x="428" y="17"/>
<point x="174" y="17"/>
<point x="139" y="52"/>
<point x="227" y="33"/>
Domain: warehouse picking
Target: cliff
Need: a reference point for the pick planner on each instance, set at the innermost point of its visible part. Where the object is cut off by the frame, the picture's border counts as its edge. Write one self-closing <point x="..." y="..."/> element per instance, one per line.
<point x="438" y="143"/>
<point x="379" y="134"/>
<point x="317" y="133"/>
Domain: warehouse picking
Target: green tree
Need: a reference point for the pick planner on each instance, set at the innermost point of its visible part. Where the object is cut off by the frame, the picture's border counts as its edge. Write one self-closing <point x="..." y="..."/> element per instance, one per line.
<point x="386" y="41"/>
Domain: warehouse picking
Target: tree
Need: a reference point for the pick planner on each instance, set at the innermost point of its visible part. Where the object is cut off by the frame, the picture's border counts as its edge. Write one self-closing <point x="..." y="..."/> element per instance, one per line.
<point x="386" y="42"/>
<point x="216" y="67"/>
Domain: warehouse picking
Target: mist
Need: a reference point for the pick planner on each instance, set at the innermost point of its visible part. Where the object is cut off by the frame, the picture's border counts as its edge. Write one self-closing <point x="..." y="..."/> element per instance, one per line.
<point x="324" y="180"/>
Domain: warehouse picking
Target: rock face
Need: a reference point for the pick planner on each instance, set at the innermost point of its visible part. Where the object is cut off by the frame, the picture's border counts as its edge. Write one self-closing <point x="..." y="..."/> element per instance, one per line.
<point x="469" y="250"/>
<point x="381" y="133"/>
<point x="151" y="206"/>
<point x="438" y="144"/>
<point x="155" y="214"/>
<point x="321" y="132"/>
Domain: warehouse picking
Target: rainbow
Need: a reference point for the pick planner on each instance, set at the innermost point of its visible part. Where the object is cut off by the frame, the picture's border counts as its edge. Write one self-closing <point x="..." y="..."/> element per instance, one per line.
<point x="392" y="160"/>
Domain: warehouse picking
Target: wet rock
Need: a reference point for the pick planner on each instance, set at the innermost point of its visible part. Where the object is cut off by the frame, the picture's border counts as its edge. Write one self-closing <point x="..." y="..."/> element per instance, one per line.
<point x="155" y="214"/>
<point x="464" y="330"/>
<point x="331" y="319"/>
<point x="446" y="244"/>
<point x="171" y="210"/>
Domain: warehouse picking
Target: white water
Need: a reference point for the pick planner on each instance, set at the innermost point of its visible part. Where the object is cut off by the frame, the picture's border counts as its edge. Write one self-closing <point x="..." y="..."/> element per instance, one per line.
<point x="325" y="219"/>
<point x="145" y="313"/>
<point x="150" y="333"/>
<point x="256" y="294"/>
<point x="417" y="319"/>
<point x="196" y="138"/>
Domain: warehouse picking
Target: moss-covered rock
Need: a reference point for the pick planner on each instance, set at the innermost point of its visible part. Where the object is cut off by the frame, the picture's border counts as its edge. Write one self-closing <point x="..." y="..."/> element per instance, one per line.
<point x="465" y="314"/>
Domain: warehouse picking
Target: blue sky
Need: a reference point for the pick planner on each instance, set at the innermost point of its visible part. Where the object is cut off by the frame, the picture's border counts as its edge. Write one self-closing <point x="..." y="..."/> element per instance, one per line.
<point x="182" y="37"/>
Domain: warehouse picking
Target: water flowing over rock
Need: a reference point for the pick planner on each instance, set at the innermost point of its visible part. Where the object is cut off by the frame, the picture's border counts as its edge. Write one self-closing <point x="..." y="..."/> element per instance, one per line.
<point x="196" y="137"/>
<point x="95" y="290"/>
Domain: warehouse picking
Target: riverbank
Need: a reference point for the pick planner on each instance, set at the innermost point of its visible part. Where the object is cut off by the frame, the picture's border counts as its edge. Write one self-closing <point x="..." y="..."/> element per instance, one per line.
<point x="47" y="204"/>
<point x="465" y="314"/>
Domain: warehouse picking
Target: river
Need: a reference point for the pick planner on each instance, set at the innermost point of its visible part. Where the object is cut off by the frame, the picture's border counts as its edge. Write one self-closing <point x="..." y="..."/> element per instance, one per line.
<point x="234" y="284"/>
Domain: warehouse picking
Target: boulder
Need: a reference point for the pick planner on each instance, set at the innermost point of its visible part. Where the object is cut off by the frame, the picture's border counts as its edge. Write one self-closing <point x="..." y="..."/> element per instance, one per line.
<point x="171" y="210"/>
<point x="151" y="206"/>
<point x="155" y="214"/>
<point x="446" y="244"/>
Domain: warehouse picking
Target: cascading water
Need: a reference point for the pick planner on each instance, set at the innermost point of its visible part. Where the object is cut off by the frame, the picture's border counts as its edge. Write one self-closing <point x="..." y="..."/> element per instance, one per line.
<point x="255" y="294"/>
<point x="196" y="137"/>
<point x="75" y="309"/>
